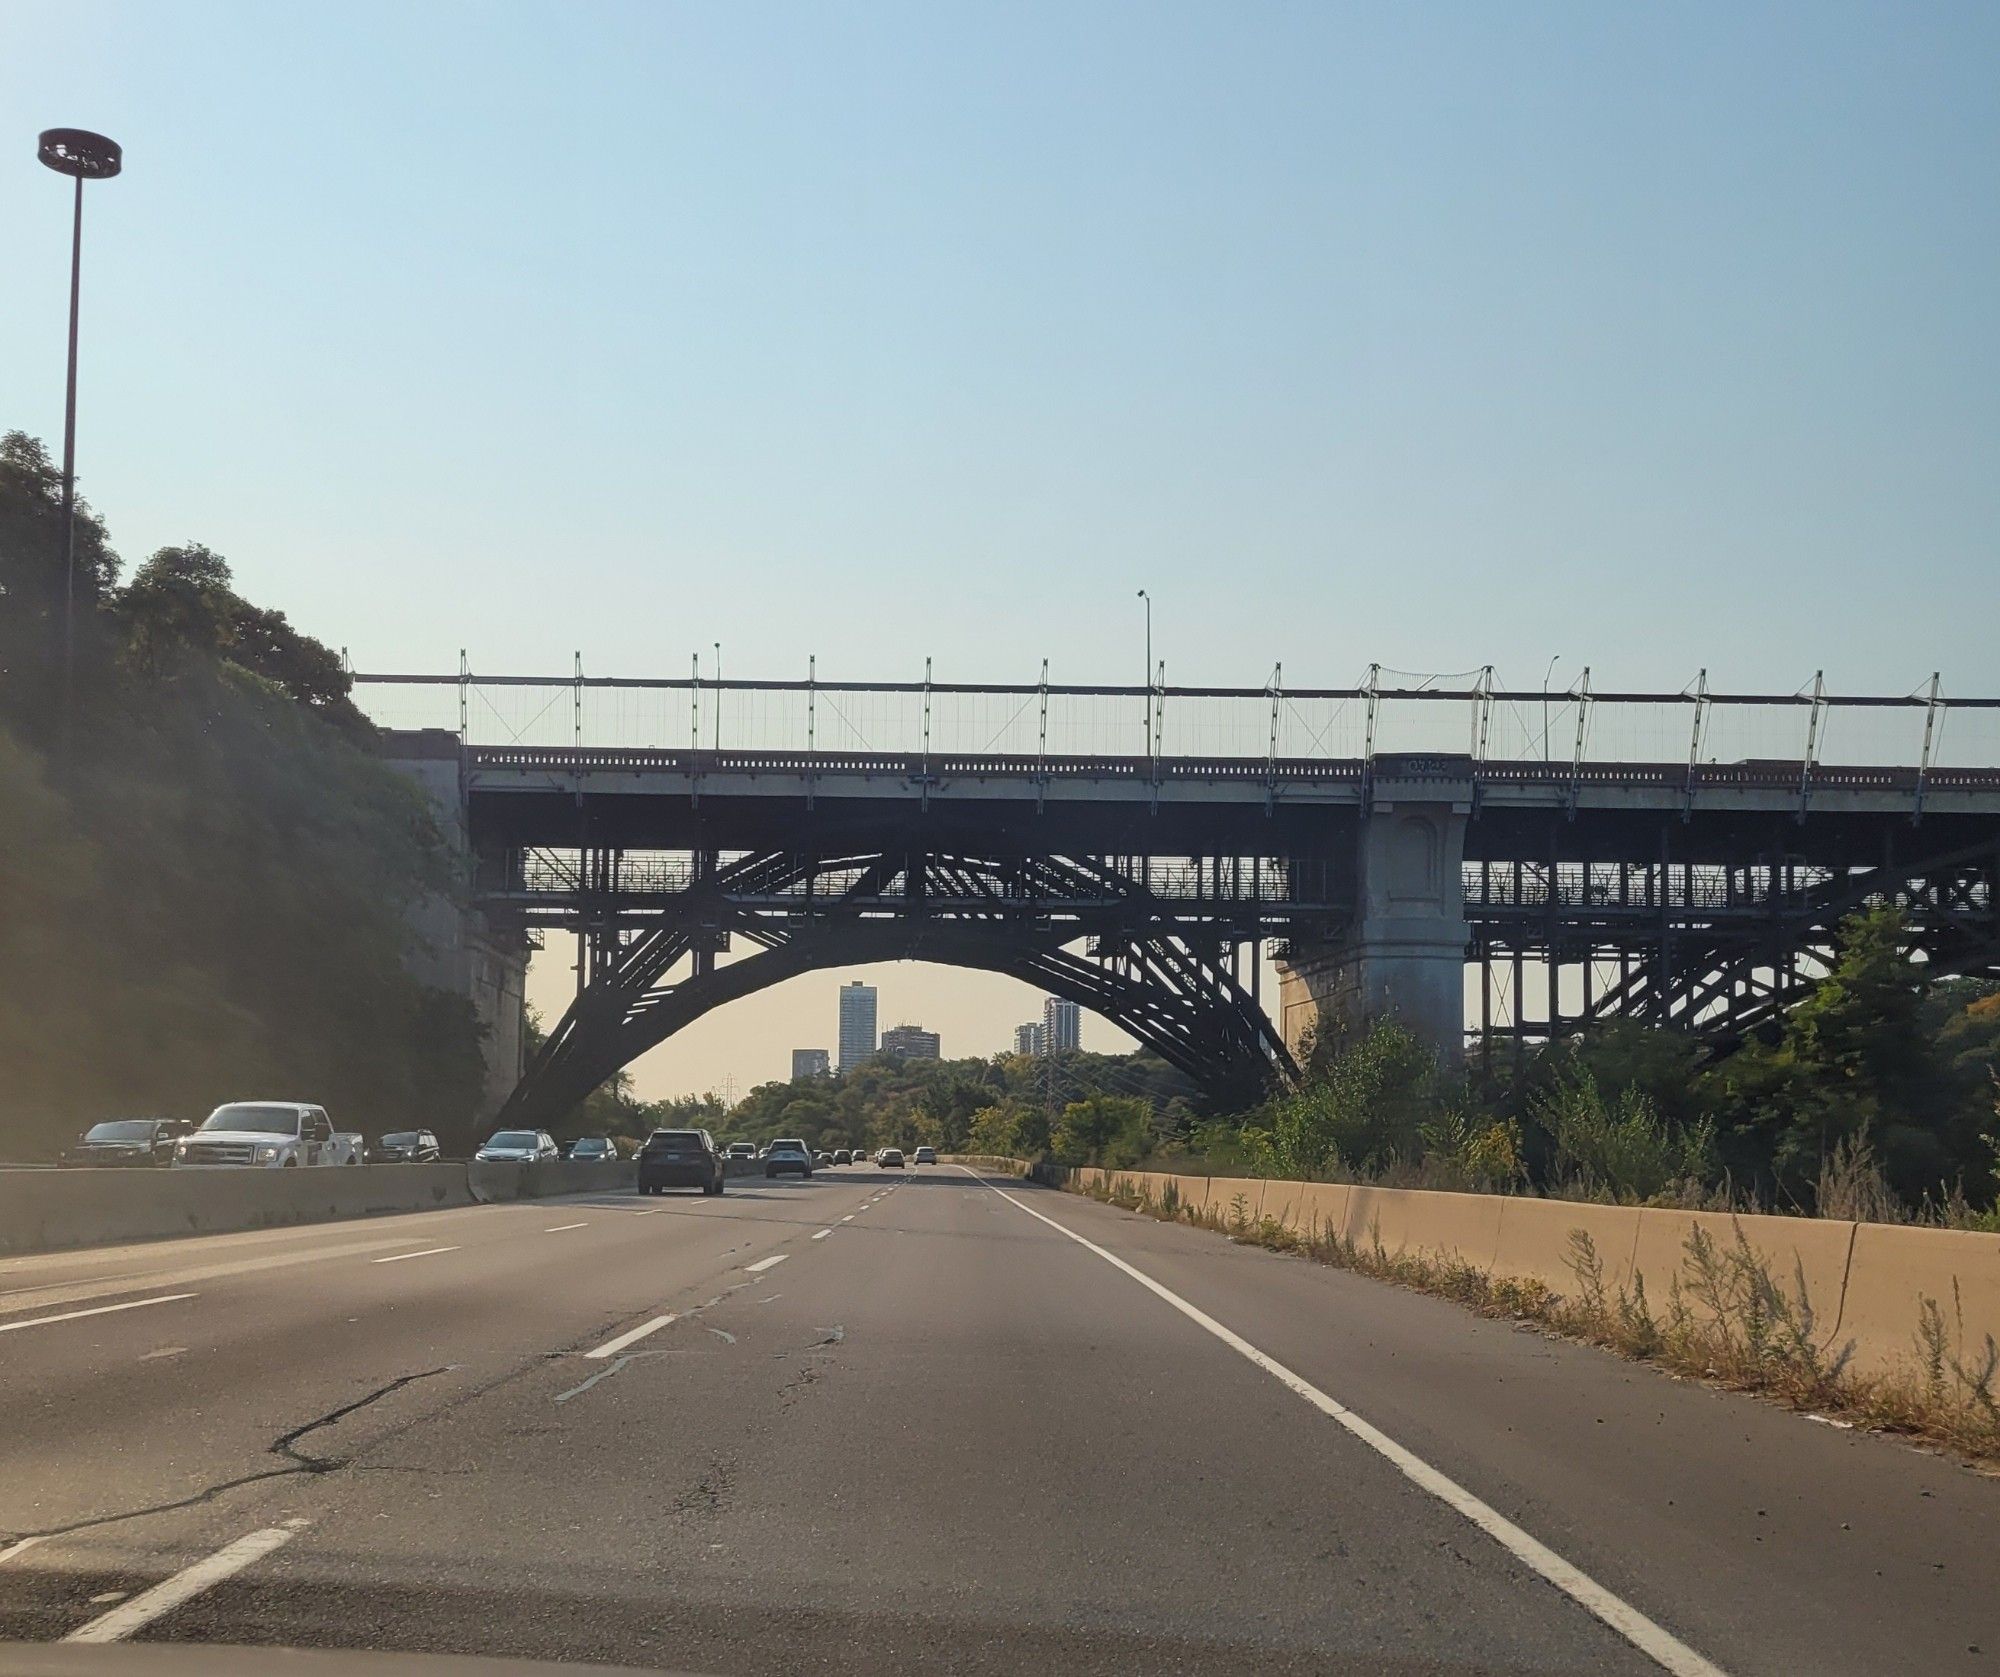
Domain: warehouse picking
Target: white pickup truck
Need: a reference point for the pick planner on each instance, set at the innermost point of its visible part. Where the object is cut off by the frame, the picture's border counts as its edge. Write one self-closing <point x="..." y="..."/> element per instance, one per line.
<point x="267" y="1134"/>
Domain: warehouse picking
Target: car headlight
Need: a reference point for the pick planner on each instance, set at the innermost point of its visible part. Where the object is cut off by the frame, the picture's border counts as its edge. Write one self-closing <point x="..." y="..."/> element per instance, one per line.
<point x="264" y="1155"/>
<point x="180" y="1149"/>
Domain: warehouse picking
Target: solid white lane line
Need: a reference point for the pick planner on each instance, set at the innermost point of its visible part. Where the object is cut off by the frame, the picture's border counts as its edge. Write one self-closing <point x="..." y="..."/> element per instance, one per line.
<point x="427" y="1252"/>
<point x="823" y="1233"/>
<point x="611" y="1347"/>
<point x="96" y="1310"/>
<point x="766" y="1263"/>
<point x="18" y="1547"/>
<point x="1654" y="1641"/>
<point x="563" y="1227"/>
<point x="185" y="1585"/>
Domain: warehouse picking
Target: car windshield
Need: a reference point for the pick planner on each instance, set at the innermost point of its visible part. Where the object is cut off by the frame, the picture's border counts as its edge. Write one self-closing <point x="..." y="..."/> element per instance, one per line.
<point x="272" y="1120"/>
<point x="514" y="1139"/>
<point x="121" y="1129"/>
<point x="398" y="1138"/>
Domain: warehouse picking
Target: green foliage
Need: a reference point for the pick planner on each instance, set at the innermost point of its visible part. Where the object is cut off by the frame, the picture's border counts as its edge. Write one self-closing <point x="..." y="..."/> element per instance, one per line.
<point x="207" y="894"/>
<point x="1365" y="1106"/>
<point x="1621" y="1146"/>
<point x="1861" y="1055"/>
<point x="32" y="570"/>
<point x="1475" y="1152"/>
<point x="1113" y="1130"/>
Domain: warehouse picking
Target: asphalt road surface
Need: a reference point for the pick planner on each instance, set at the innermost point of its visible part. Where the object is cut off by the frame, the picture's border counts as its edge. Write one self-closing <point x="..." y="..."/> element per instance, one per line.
<point x="876" y="1423"/>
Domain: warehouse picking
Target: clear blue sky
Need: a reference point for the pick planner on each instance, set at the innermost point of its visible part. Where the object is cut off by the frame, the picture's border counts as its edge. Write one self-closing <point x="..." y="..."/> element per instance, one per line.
<point x="1435" y="334"/>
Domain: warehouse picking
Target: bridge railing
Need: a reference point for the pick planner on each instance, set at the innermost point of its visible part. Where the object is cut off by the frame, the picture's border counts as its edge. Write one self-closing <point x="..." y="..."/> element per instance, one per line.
<point x="950" y="726"/>
<point x="564" y="873"/>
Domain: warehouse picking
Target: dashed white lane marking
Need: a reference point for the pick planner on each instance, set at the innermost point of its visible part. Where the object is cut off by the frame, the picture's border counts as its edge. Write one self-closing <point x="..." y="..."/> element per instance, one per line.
<point x="185" y="1585"/>
<point x="95" y="1310"/>
<point x="427" y="1252"/>
<point x="650" y="1211"/>
<point x="19" y="1546"/>
<point x="848" y="1218"/>
<point x="823" y="1233"/>
<point x="1654" y="1641"/>
<point x="766" y="1263"/>
<point x="563" y="1228"/>
<point x="632" y="1336"/>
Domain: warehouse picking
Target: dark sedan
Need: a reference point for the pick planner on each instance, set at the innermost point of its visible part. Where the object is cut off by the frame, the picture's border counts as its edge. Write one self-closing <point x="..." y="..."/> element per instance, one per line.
<point x="128" y="1141"/>
<point x="591" y="1150"/>
<point x="404" y="1147"/>
<point x="680" y="1159"/>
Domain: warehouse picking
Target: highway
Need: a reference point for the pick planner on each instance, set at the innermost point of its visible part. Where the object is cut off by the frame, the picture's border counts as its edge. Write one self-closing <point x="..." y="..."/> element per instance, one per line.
<point x="875" y="1423"/>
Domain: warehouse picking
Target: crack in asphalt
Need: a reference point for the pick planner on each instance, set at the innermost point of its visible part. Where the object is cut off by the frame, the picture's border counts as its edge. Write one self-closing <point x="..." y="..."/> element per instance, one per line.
<point x="285" y="1444"/>
<point x="296" y="1462"/>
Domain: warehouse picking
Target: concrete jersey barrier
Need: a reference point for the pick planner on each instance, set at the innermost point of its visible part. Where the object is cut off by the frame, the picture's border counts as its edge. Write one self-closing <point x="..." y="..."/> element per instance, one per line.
<point x="1865" y="1285"/>
<point x="55" y="1210"/>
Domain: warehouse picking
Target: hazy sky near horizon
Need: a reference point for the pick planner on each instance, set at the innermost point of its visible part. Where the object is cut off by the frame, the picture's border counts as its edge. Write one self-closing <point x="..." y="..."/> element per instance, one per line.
<point x="1440" y="335"/>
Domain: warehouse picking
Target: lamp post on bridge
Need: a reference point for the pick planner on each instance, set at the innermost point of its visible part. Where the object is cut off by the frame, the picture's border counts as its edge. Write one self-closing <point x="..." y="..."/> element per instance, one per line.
<point x="1551" y="670"/>
<point x="83" y="156"/>
<point x="1149" y="671"/>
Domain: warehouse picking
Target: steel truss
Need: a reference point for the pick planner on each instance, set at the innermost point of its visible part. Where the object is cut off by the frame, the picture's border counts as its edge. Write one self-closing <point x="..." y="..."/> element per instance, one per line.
<point x="1716" y="949"/>
<point x="1165" y="965"/>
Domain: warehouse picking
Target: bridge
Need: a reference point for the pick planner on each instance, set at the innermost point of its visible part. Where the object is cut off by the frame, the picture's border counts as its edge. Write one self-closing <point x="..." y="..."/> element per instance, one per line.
<point x="1515" y="865"/>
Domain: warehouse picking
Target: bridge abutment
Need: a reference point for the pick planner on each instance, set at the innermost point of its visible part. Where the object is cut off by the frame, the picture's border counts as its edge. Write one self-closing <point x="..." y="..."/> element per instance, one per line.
<point x="458" y="949"/>
<point x="1403" y="953"/>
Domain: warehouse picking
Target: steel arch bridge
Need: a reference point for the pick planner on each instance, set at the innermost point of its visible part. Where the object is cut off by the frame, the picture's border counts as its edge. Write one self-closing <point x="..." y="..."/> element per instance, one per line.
<point x="1168" y="970"/>
<point x="1475" y="861"/>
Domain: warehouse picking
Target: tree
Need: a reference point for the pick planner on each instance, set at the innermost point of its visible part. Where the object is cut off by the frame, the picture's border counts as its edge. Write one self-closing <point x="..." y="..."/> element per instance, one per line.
<point x="1857" y="1057"/>
<point x="33" y="580"/>
<point x="1110" y="1130"/>
<point x="1362" y="1104"/>
<point x="180" y="605"/>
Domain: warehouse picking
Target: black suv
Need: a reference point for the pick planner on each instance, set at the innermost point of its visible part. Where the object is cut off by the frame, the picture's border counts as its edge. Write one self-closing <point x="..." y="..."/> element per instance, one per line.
<point x="128" y="1141"/>
<point x="680" y="1159"/>
<point x="404" y="1147"/>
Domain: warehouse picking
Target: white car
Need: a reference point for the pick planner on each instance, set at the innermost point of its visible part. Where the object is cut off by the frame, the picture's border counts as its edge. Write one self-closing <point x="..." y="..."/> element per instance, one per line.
<point x="267" y="1135"/>
<point x="924" y="1156"/>
<point x="518" y="1147"/>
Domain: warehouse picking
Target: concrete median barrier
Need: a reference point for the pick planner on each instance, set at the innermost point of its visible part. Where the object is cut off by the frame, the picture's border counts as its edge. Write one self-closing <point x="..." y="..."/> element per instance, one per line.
<point x="499" y="1182"/>
<point x="44" y="1211"/>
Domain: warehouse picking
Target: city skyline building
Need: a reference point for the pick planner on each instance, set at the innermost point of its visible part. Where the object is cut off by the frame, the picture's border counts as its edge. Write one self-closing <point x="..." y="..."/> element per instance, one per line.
<point x="810" y="1062"/>
<point x="912" y="1042"/>
<point x="1028" y="1037"/>
<point x="1062" y="1025"/>
<point x="857" y="1024"/>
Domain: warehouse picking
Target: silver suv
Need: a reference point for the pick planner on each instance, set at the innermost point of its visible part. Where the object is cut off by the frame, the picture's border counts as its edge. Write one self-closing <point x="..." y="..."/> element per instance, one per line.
<point x="783" y="1156"/>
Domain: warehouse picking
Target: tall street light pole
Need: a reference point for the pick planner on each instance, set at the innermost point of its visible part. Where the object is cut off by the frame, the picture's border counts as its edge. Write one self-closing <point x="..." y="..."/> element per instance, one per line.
<point x="83" y="156"/>
<point x="1149" y="670"/>
<point x="718" y="695"/>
